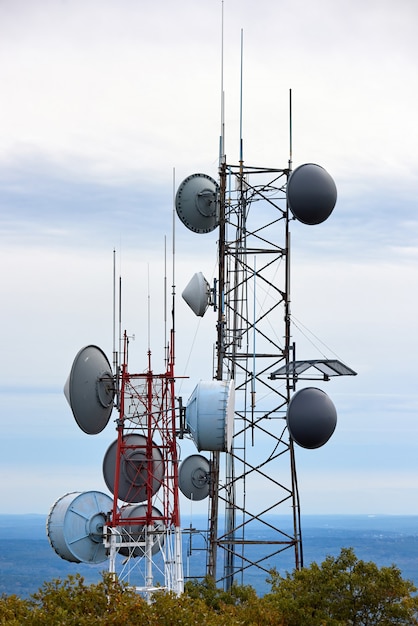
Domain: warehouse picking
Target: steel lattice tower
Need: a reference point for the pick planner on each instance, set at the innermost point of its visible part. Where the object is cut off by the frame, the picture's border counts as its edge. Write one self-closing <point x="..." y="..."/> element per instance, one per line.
<point x="259" y="484"/>
<point x="146" y="471"/>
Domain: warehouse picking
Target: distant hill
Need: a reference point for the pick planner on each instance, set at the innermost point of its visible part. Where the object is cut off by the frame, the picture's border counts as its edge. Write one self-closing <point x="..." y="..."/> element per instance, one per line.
<point x="27" y="559"/>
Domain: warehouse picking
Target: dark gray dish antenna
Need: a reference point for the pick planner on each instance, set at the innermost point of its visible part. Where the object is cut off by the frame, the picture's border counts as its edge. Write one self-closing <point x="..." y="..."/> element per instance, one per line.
<point x="138" y="472"/>
<point x="311" y="417"/>
<point x="210" y="415"/>
<point x="75" y="526"/>
<point x="90" y="390"/>
<point x="197" y="203"/>
<point x="311" y="194"/>
<point x="194" y="477"/>
<point x="138" y="531"/>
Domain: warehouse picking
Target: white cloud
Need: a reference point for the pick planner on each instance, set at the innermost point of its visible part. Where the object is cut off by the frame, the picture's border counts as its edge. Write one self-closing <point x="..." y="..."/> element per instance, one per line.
<point x="358" y="491"/>
<point x="104" y="99"/>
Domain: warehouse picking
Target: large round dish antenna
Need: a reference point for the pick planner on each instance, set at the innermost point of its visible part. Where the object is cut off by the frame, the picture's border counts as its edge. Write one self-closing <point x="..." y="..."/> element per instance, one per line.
<point x="75" y="526"/>
<point x="311" y="194"/>
<point x="311" y="417"/>
<point x="197" y="203"/>
<point x="138" y="472"/>
<point x="138" y="531"/>
<point x="210" y="415"/>
<point x="90" y="390"/>
<point x="194" y="477"/>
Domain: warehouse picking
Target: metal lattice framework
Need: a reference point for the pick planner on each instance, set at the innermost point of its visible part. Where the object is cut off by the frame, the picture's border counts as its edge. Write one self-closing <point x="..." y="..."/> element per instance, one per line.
<point x="256" y="482"/>
<point x="150" y="538"/>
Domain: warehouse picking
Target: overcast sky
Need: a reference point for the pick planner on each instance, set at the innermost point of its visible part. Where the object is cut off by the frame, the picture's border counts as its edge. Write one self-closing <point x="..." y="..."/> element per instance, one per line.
<point x="101" y="101"/>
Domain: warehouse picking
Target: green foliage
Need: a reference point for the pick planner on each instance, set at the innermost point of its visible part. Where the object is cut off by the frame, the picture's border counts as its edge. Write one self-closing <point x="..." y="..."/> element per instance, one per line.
<point x="73" y="603"/>
<point x="217" y="598"/>
<point x="13" y="610"/>
<point x="170" y="610"/>
<point x="344" y="590"/>
<point x="240" y="605"/>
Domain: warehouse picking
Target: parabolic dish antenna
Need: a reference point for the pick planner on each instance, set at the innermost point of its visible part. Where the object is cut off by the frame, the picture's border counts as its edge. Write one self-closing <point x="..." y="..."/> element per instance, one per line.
<point x="90" y="390"/>
<point x="194" y="477"/>
<point x="197" y="203"/>
<point x="138" y="472"/>
<point x="210" y="415"/>
<point x="75" y="526"/>
<point x="138" y="531"/>
<point x="311" y="417"/>
<point x="311" y="194"/>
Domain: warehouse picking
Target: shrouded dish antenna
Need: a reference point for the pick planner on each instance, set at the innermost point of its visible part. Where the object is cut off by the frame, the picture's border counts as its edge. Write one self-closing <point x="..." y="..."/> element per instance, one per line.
<point x="75" y="526"/>
<point x="197" y="294"/>
<point x="197" y="203"/>
<point x="90" y="390"/>
<point x="140" y="470"/>
<point x="139" y="532"/>
<point x="311" y="417"/>
<point x="311" y="194"/>
<point x="210" y="415"/>
<point x="194" y="477"/>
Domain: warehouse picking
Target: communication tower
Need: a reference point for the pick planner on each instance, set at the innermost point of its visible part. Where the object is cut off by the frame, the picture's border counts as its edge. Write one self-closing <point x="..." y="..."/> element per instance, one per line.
<point x="248" y="417"/>
<point x="140" y="468"/>
<point x="252" y="482"/>
<point x="137" y="528"/>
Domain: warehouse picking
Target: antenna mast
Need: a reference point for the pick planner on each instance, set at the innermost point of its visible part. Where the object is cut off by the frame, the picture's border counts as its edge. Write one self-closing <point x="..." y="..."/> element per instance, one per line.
<point x="141" y="470"/>
<point x="290" y="131"/>
<point x="248" y="417"/>
<point x="241" y="147"/>
<point x="222" y="136"/>
<point x="138" y="528"/>
<point x="253" y="475"/>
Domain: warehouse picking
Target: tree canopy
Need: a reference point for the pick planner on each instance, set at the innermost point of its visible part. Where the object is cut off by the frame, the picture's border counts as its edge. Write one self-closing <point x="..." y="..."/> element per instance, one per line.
<point x="342" y="591"/>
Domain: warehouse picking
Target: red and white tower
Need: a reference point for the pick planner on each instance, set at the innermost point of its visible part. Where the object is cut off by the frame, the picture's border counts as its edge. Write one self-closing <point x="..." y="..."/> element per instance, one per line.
<point x="138" y="527"/>
<point x="141" y="470"/>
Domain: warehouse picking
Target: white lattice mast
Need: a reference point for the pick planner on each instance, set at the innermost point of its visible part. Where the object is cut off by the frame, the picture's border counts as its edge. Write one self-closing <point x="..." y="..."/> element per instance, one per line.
<point x="145" y="522"/>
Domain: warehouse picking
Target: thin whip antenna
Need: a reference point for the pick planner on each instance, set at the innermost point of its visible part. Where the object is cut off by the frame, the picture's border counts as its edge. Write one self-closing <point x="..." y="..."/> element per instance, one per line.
<point x="241" y="147"/>
<point x="165" y="299"/>
<point x="120" y="339"/>
<point x="149" y="314"/>
<point x="174" y="268"/>
<point x="115" y="356"/>
<point x="120" y="317"/>
<point x="290" y="130"/>
<point x="115" y="346"/>
<point x="222" y="137"/>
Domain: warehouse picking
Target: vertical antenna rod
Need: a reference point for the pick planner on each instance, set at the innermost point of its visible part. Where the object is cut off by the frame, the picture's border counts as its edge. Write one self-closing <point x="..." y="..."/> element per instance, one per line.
<point x="149" y="311"/>
<point x="241" y="149"/>
<point x="120" y="318"/>
<point x="290" y="131"/>
<point x="115" y="347"/>
<point x="174" y="251"/>
<point x="222" y="137"/>
<point x="115" y="354"/>
<point x="215" y="456"/>
<point x="290" y="379"/>
<point x="165" y="299"/>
